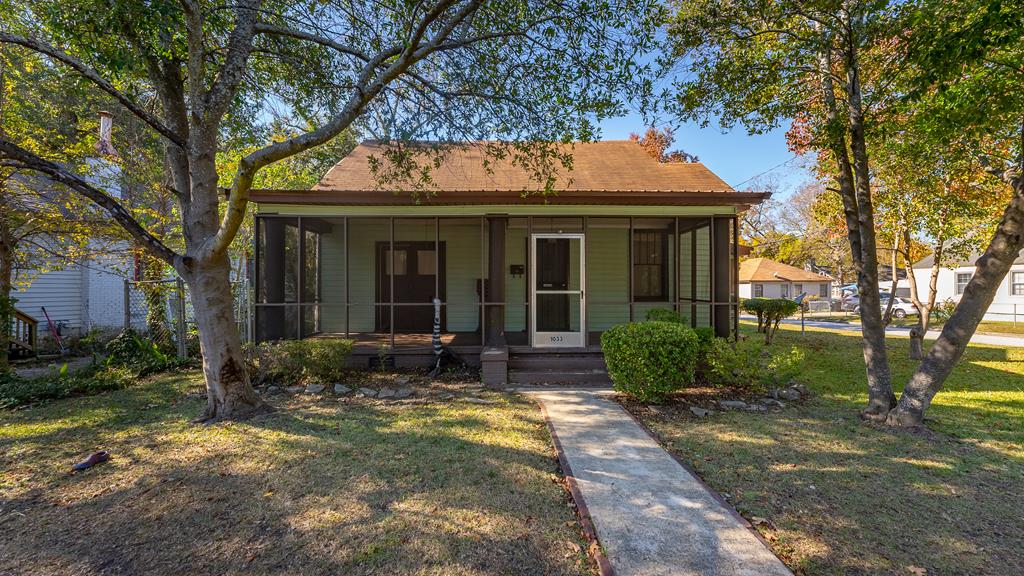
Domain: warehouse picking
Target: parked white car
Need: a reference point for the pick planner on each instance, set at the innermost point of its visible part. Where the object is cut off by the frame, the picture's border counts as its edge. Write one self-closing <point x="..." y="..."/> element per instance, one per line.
<point x="901" y="307"/>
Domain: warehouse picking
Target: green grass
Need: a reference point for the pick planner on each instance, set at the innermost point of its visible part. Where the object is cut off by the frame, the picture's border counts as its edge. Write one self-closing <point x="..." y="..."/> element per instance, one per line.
<point x="848" y="497"/>
<point x="320" y="486"/>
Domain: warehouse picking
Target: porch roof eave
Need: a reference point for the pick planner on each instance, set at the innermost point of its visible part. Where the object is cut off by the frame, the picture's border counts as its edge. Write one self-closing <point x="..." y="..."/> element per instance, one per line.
<point x="468" y="202"/>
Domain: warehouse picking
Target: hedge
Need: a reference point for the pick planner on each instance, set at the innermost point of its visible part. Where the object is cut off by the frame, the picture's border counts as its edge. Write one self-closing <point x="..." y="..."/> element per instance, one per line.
<point x="649" y="360"/>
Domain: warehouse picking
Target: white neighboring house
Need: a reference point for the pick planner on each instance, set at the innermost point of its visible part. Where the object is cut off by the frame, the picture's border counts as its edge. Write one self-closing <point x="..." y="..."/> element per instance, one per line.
<point x="80" y="296"/>
<point x="764" y="278"/>
<point x="1008" y="303"/>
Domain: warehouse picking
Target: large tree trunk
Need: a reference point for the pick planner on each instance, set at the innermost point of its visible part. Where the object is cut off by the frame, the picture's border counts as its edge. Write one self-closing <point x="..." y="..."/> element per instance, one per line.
<point x="229" y="393"/>
<point x="880" y="395"/>
<point x="856" y="197"/>
<point x="989" y="272"/>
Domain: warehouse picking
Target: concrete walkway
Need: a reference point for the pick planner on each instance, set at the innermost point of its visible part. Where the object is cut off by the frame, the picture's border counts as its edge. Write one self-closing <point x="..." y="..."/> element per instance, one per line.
<point x="651" y="515"/>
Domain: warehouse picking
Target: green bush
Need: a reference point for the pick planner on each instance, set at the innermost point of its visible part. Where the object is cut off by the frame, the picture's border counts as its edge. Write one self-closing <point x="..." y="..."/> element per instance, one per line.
<point x="130" y="350"/>
<point x="769" y="312"/>
<point x="664" y="315"/>
<point x="291" y="362"/>
<point x="749" y="365"/>
<point x="943" y="310"/>
<point x="16" y="391"/>
<point x="648" y="360"/>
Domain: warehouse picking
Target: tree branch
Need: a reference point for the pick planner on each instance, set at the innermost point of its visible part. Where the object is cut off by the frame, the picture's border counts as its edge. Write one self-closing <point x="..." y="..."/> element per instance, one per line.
<point x="56" y="173"/>
<point x="231" y="72"/>
<point x="94" y="77"/>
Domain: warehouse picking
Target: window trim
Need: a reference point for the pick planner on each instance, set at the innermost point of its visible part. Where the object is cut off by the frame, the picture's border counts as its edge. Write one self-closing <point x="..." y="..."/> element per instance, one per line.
<point x="823" y="290"/>
<point x="757" y="287"/>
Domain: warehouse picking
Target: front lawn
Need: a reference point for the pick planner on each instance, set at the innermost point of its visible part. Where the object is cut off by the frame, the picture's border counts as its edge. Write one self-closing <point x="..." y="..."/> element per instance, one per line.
<point x="840" y="496"/>
<point x="321" y="486"/>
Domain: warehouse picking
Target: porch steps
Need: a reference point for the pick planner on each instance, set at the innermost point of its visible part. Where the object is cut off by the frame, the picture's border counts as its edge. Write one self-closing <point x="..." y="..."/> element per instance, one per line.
<point x="557" y="368"/>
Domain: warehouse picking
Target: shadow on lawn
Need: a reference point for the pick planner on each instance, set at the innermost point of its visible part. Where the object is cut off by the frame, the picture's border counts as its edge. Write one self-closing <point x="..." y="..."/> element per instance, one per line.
<point x="314" y="489"/>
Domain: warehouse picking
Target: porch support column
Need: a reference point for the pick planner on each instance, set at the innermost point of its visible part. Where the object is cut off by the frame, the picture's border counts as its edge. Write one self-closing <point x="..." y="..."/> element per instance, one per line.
<point x="271" y="275"/>
<point x="495" y="292"/>
<point x="721" y="277"/>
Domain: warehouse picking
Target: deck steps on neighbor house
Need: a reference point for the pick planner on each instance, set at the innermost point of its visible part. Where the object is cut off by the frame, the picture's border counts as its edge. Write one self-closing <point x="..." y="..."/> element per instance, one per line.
<point x="557" y="368"/>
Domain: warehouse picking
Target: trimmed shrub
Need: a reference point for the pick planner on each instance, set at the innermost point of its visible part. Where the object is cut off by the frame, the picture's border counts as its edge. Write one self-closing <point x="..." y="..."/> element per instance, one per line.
<point x="649" y="360"/>
<point x="290" y="362"/>
<point x="749" y="365"/>
<point x="664" y="315"/>
<point x="769" y="312"/>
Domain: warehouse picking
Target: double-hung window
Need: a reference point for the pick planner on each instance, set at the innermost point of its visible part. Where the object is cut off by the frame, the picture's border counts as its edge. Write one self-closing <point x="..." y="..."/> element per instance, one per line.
<point x="758" y="290"/>
<point x="1017" y="283"/>
<point x="962" y="278"/>
<point x="650" y="265"/>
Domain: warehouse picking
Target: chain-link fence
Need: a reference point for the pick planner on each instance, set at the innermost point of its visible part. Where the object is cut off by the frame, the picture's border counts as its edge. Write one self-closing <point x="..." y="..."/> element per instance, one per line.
<point x="161" y="310"/>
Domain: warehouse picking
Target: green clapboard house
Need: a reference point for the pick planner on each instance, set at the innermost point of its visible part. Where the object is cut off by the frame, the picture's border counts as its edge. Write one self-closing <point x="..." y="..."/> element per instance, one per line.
<point x="526" y="281"/>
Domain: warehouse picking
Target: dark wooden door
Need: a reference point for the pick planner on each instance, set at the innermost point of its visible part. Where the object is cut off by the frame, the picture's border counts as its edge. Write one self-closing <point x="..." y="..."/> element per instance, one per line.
<point x="416" y="277"/>
<point x="553" y="274"/>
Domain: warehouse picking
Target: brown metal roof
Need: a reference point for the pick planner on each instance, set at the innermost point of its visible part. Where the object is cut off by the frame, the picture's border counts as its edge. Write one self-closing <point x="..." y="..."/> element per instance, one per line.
<point x="612" y="172"/>
<point x="765" y="270"/>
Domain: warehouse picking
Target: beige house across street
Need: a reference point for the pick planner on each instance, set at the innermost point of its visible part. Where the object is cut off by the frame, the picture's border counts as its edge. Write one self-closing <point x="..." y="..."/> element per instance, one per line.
<point x="764" y="278"/>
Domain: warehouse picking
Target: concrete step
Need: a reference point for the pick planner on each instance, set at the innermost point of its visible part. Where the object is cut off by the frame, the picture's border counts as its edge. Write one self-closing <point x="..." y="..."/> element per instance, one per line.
<point x="562" y="376"/>
<point x="556" y="362"/>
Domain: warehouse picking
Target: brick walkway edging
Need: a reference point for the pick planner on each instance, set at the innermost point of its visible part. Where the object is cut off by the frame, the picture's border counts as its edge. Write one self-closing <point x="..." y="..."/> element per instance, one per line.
<point x="596" y="553"/>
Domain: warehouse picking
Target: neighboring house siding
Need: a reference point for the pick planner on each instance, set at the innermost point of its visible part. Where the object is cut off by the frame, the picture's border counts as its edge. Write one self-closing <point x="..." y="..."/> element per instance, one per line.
<point x="1005" y="305"/>
<point x="774" y="289"/>
<point x="60" y="292"/>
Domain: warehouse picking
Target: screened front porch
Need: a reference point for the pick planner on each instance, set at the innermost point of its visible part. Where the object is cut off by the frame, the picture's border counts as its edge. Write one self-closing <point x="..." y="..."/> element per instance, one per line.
<point x="531" y="282"/>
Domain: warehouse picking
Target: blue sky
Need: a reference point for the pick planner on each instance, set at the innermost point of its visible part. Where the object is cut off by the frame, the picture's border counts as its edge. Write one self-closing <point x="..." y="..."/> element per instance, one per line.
<point x="735" y="155"/>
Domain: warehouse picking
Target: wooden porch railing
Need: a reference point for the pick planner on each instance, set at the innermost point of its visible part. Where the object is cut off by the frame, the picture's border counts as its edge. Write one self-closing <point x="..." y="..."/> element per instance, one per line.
<point x="24" y="332"/>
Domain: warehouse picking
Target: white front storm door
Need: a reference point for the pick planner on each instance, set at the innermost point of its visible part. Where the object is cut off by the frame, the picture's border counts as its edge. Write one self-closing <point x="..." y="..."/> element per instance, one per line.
<point x="556" y="291"/>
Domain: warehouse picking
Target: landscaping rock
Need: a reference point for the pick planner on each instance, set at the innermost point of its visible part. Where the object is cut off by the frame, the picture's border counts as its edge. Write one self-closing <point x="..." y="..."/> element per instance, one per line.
<point x="446" y="396"/>
<point x="475" y="400"/>
<point x="801" y="388"/>
<point x="732" y="404"/>
<point x="368" y="392"/>
<point x="699" y="412"/>
<point x="315" y="388"/>
<point x="790" y="394"/>
<point x="403" y="393"/>
<point x="341" y="389"/>
<point x="772" y="403"/>
<point x="386" y="393"/>
<point x="402" y="380"/>
<point x="271" y="390"/>
<point x="756" y="408"/>
<point x="294" y="389"/>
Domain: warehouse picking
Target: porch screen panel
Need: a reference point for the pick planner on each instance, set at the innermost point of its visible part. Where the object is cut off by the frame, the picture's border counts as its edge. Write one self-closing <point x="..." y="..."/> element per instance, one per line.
<point x="277" y="278"/>
<point x="333" y="250"/>
<point x="465" y="241"/>
<point x="420" y="262"/>
<point x="516" y="295"/>
<point x="607" y="274"/>
<point x="694" y="283"/>
<point x="366" y="299"/>
<point x="702" y="264"/>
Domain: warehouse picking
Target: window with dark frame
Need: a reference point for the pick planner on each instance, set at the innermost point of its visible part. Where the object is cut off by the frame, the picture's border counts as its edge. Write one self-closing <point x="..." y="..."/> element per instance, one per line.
<point x="823" y="290"/>
<point x="650" y="265"/>
<point x="758" y="290"/>
<point x="1017" y="283"/>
